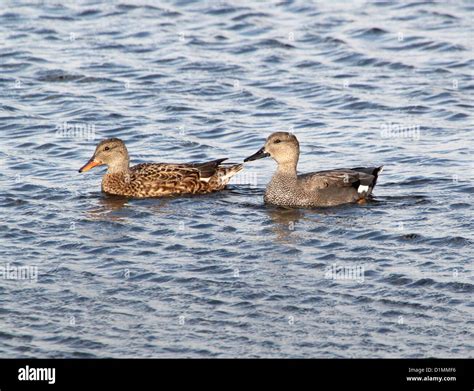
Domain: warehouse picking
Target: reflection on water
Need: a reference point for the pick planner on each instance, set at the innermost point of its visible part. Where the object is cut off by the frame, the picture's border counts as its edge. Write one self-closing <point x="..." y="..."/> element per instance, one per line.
<point x="112" y="203"/>
<point x="118" y="208"/>
<point x="284" y="222"/>
<point x="106" y="207"/>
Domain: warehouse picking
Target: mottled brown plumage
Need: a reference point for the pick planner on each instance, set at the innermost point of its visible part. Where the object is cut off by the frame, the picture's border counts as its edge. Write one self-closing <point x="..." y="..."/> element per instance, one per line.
<point x="323" y="188"/>
<point x="156" y="179"/>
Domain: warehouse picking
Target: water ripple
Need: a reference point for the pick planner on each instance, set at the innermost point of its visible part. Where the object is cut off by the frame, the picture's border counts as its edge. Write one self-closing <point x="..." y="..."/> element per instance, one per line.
<point x="223" y="275"/>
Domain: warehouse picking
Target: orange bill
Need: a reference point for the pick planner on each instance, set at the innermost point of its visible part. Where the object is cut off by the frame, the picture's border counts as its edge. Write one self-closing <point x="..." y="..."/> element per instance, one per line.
<point x="90" y="164"/>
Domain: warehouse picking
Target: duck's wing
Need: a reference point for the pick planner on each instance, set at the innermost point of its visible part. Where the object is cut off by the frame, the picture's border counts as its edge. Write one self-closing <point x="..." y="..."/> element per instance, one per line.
<point x="175" y="172"/>
<point x="207" y="169"/>
<point x="361" y="179"/>
<point x="330" y="178"/>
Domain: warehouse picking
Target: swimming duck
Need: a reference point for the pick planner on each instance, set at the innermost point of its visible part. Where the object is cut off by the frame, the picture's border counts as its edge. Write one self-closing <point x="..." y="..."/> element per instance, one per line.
<point x="156" y="179"/>
<point x="323" y="188"/>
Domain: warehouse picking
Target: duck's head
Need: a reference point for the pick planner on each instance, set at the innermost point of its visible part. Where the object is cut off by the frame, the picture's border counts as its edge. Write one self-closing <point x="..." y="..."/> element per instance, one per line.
<point x="283" y="147"/>
<point x="111" y="152"/>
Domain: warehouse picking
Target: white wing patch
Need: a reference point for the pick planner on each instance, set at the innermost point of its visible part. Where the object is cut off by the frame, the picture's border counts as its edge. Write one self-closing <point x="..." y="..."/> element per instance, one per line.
<point x="362" y="189"/>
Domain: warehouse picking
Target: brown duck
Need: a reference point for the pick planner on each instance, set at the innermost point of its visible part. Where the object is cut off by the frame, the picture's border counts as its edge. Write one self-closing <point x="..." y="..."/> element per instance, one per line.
<point x="323" y="188"/>
<point x="156" y="179"/>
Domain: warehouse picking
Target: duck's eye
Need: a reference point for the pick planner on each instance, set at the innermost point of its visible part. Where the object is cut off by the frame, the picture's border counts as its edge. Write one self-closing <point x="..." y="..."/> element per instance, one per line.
<point x="106" y="148"/>
<point x="277" y="141"/>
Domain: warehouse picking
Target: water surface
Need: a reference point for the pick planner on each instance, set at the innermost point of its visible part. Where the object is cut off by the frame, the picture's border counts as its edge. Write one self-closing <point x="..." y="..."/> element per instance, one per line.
<point x="224" y="275"/>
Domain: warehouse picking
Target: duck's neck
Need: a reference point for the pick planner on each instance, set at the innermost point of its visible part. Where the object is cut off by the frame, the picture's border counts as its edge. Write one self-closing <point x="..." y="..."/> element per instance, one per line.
<point x="118" y="167"/>
<point x="282" y="185"/>
<point x="287" y="169"/>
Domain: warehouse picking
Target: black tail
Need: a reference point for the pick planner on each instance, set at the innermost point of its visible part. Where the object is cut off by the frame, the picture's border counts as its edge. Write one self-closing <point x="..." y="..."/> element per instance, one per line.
<point x="375" y="171"/>
<point x="370" y="177"/>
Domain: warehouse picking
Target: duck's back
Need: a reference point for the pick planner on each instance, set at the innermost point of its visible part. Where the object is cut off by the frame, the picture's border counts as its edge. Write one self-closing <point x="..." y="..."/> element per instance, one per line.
<point x="162" y="179"/>
<point x="323" y="188"/>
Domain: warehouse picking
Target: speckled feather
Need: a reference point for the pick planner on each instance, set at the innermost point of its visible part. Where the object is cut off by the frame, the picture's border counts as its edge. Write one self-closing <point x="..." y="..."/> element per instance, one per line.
<point x="156" y="179"/>
<point x="164" y="179"/>
<point x="323" y="188"/>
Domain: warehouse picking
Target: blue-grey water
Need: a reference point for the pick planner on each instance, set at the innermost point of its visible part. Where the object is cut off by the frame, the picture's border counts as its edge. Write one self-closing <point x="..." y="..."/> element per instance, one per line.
<point x="223" y="275"/>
